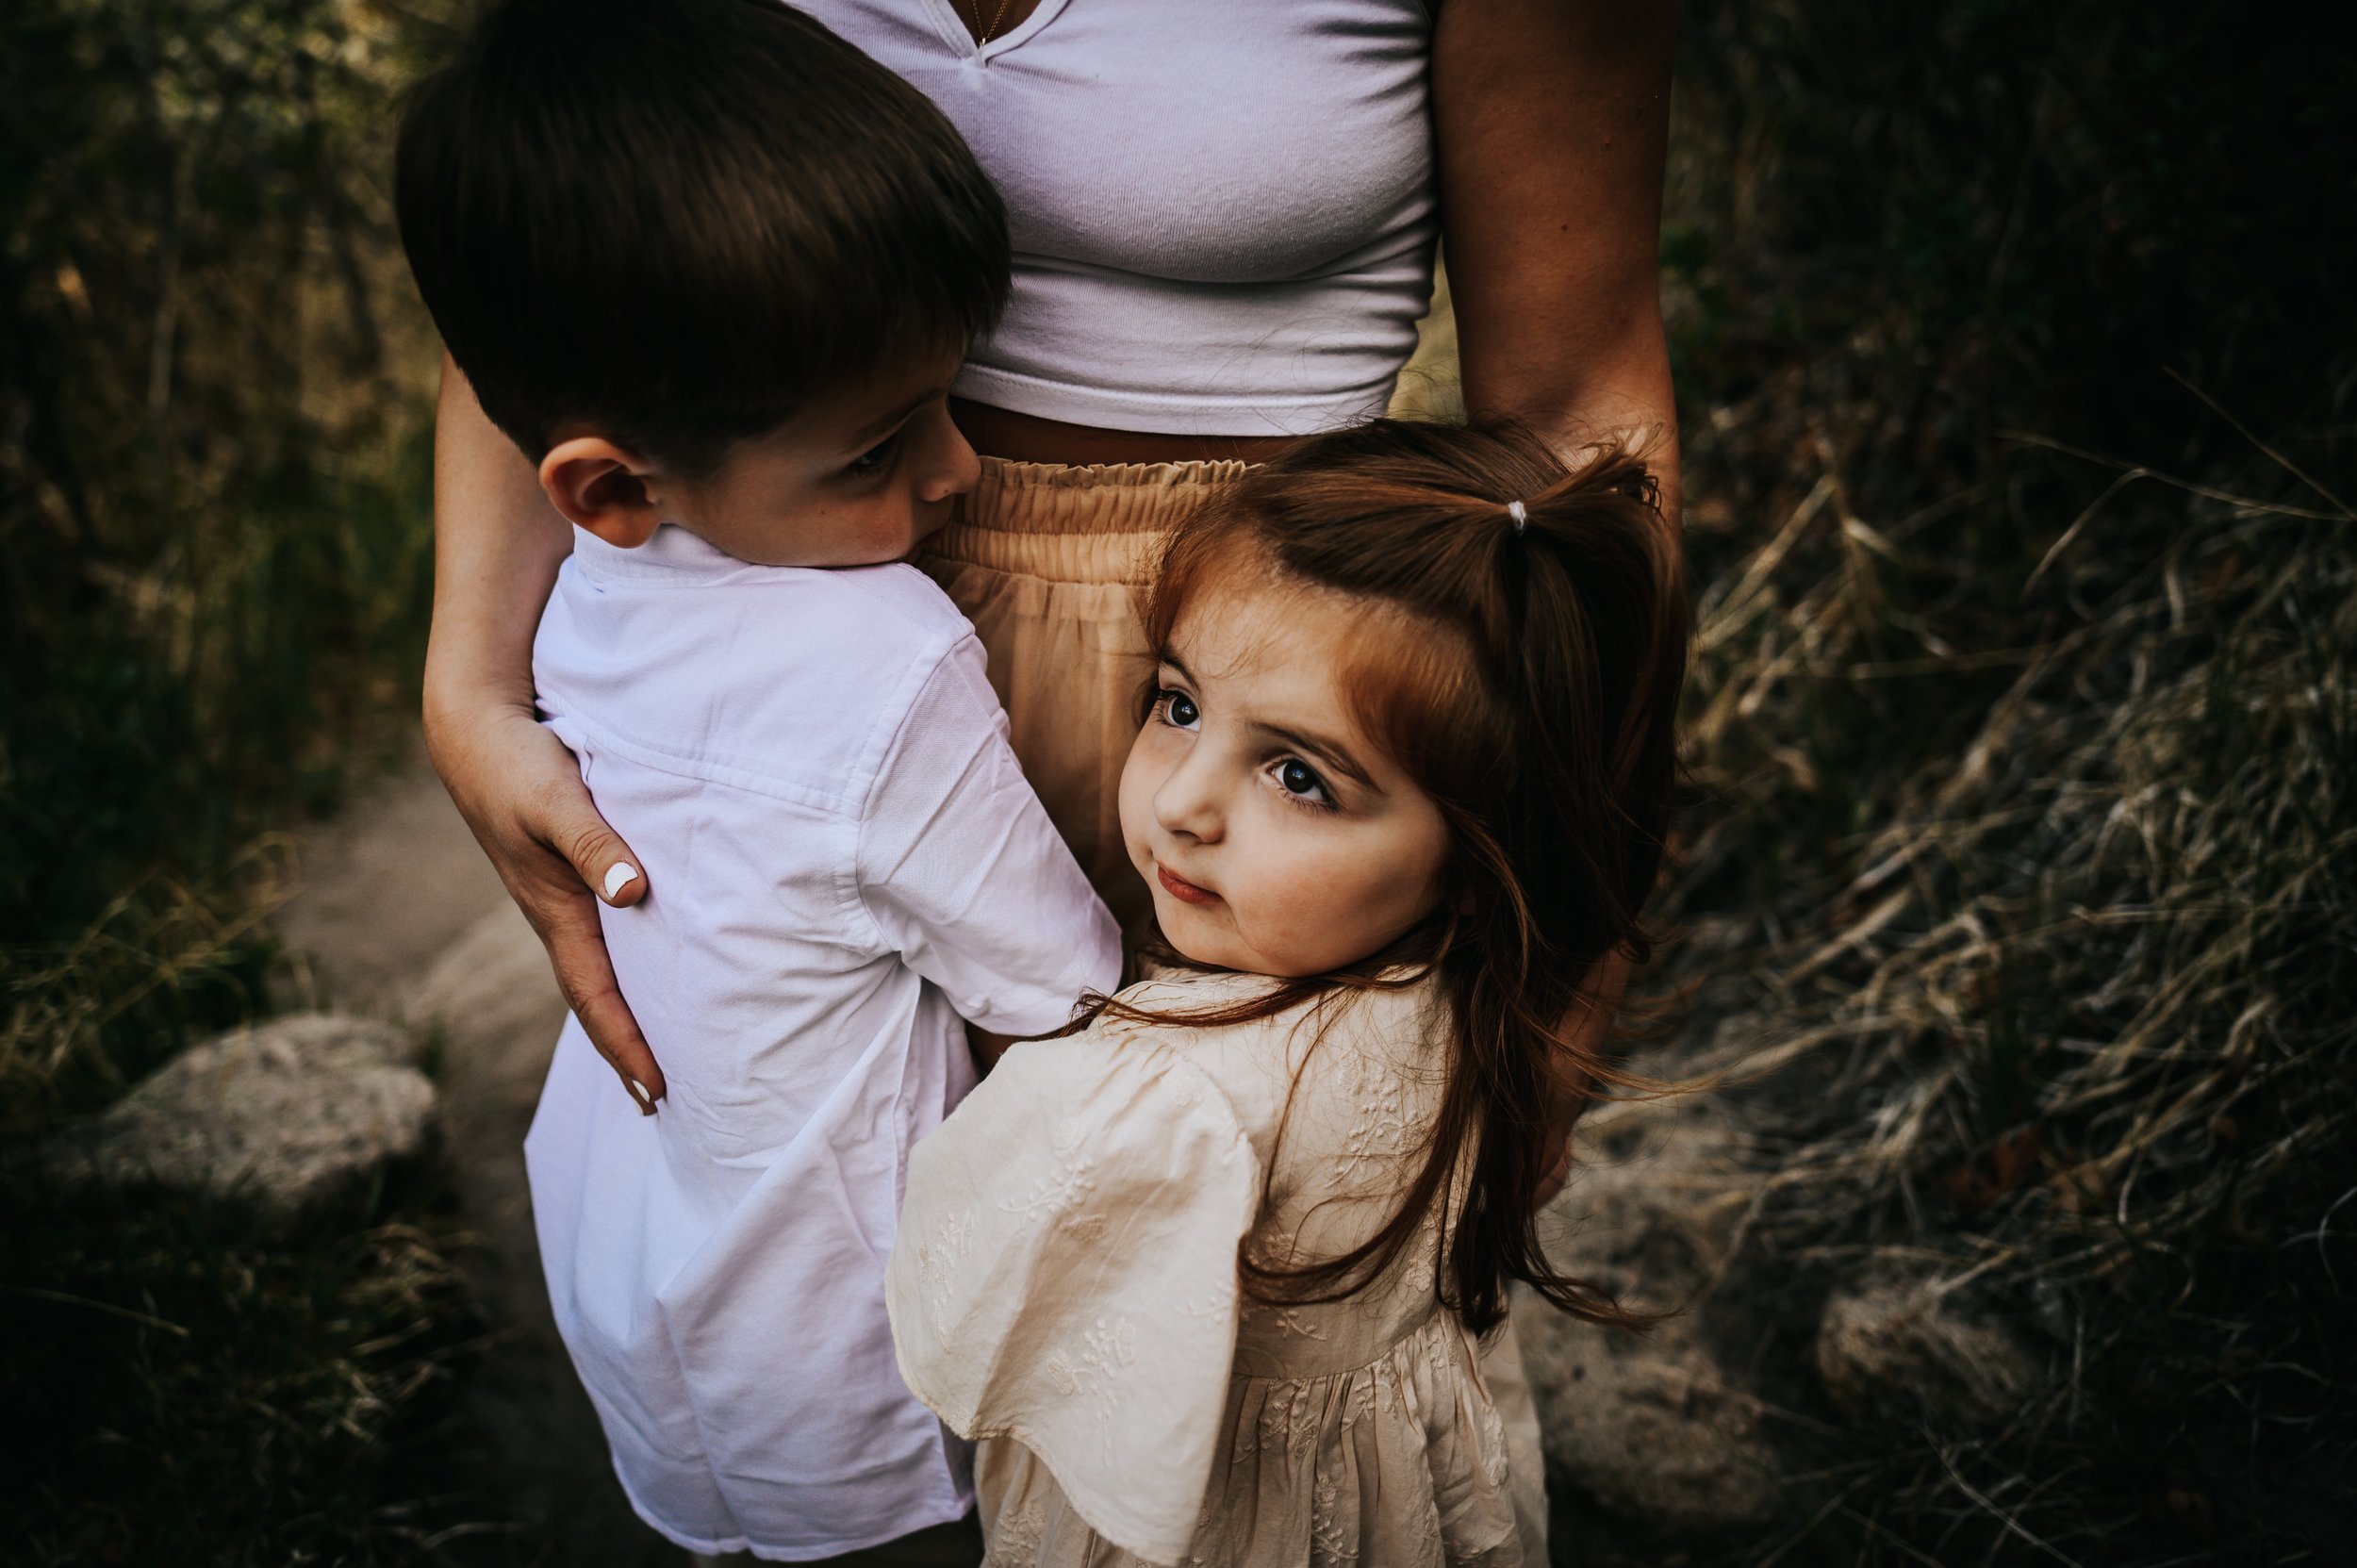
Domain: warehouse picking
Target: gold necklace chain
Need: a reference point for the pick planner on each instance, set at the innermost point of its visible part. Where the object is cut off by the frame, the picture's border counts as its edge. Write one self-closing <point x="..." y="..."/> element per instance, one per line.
<point x="996" y="17"/>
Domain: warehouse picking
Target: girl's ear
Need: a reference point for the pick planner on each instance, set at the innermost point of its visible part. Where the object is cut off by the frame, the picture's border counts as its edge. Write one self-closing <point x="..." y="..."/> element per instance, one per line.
<point x="601" y="488"/>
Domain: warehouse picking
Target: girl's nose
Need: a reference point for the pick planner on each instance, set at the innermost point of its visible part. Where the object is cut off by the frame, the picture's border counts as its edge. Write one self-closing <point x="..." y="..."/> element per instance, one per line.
<point x="1187" y="803"/>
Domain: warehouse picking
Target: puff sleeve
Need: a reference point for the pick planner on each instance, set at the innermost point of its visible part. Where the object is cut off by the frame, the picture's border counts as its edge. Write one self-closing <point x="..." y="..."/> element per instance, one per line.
<point x="1065" y="1274"/>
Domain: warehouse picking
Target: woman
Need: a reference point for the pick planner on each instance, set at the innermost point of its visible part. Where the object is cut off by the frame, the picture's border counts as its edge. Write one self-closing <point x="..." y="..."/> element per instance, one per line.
<point x="1224" y="214"/>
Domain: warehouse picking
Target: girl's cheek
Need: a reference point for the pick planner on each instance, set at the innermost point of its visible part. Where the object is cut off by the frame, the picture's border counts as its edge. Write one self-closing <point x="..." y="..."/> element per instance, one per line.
<point x="1139" y="774"/>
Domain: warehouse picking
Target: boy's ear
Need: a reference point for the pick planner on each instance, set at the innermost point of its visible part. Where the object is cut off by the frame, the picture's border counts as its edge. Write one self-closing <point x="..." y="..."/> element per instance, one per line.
<point x="603" y="488"/>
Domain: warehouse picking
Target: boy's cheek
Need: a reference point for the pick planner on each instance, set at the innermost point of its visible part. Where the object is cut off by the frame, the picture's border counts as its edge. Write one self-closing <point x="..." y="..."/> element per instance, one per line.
<point x="926" y="520"/>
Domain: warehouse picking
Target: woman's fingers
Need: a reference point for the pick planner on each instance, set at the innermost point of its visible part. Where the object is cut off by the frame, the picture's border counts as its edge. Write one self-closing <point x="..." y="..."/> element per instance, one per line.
<point x="565" y="914"/>
<point x="569" y="925"/>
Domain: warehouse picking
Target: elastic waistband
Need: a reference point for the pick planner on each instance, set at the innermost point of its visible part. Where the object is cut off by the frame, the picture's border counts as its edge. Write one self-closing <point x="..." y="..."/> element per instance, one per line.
<point x="1102" y="522"/>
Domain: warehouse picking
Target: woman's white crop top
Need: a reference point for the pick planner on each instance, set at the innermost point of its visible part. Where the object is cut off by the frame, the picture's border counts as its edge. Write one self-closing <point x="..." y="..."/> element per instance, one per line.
<point x="1223" y="210"/>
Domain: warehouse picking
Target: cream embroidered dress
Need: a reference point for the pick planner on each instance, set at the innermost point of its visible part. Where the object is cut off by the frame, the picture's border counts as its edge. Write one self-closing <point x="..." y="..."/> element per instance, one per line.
<point x="1064" y="1289"/>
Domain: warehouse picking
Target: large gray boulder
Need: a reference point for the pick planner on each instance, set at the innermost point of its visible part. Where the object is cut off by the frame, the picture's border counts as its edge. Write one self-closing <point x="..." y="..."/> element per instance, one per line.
<point x="1652" y="1426"/>
<point x="285" y="1115"/>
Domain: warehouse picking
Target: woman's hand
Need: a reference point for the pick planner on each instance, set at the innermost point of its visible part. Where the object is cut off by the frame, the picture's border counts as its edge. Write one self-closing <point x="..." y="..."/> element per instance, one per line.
<point x="497" y="547"/>
<point x="521" y="792"/>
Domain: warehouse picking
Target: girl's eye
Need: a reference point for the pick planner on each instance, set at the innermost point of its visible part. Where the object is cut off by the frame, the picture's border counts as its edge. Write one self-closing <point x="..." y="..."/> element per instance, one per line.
<point x="1300" y="783"/>
<point x="1178" y="708"/>
<point x="876" y="458"/>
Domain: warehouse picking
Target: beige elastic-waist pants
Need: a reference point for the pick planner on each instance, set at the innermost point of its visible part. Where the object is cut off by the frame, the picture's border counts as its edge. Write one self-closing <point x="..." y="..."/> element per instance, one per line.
<point x="1047" y="562"/>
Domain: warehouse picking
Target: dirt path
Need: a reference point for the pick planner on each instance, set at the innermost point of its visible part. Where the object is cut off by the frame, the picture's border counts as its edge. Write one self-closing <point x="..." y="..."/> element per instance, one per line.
<point x="400" y="916"/>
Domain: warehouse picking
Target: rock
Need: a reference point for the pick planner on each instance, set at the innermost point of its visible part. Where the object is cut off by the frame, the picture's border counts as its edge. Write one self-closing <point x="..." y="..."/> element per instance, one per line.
<point x="491" y="990"/>
<point x="284" y="1113"/>
<point x="1651" y="1426"/>
<point x="1888" y="1346"/>
<point x="494" y="1004"/>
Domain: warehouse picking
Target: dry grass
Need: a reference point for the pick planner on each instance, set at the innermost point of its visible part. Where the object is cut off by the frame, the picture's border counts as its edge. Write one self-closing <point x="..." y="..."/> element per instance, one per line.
<point x="201" y="1394"/>
<point x="82" y="1020"/>
<point x="2114" y="919"/>
<point x="2034" y="887"/>
<point x="2025" y="868"/>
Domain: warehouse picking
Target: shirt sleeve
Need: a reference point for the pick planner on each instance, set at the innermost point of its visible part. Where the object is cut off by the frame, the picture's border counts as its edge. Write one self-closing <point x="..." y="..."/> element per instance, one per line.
<point x="1065" y="1275"/>
<point x="963" y="872"/>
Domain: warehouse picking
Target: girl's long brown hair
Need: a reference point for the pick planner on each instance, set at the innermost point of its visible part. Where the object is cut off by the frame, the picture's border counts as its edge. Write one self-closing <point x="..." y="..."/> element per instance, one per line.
<point x="1531" y="687"/>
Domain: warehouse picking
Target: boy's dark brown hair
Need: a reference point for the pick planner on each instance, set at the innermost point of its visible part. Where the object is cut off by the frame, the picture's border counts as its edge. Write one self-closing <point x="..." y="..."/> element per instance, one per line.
<point x="678" y="225"/>
<point x="1534" y="697"/>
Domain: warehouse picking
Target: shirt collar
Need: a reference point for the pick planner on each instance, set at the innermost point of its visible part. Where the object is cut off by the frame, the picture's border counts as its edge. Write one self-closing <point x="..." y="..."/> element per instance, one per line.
<point x="674" y="555"/>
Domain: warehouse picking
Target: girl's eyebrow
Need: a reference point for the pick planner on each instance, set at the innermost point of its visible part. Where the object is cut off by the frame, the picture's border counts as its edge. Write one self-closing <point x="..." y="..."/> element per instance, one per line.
<point x="1325" y="750"/>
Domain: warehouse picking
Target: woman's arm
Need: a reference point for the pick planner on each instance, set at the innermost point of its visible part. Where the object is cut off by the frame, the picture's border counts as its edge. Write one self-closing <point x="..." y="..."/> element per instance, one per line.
<point x="1553" y="121"/>
<point x="497" y="546"/>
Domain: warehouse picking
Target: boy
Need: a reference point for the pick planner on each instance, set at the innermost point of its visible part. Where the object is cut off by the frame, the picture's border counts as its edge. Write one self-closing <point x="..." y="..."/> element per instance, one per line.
<point x="711" y="269"/>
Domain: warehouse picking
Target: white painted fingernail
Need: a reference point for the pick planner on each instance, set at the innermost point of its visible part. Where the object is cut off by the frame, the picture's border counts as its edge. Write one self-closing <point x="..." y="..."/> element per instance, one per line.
<point x="646" y="1100"/>
<point x="619" y="876"/>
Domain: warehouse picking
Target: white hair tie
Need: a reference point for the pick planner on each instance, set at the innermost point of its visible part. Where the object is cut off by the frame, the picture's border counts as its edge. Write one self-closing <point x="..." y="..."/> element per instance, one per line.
<point x="1521" y="515"/>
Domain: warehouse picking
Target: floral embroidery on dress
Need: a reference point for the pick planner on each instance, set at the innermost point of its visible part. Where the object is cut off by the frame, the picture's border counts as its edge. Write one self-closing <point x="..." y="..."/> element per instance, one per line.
<point x="938" y="1255"/>
<point x="1016" y="1535"/>
<point x="1186" y="1090"/>
<point x="1291" y="1323"/>
<point x="1105" y="1350"/>
<point x="1385" y="1128"/>
<point x="1332" y="1545"/>
<point x="1071" y="1179"/>
<point x="1366" y="1388"/>
<point x="1289" y="1416"/>
<point x="1218" y="1306"/>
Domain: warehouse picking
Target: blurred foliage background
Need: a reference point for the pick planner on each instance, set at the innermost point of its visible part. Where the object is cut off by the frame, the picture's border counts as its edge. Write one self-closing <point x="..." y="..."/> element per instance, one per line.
<point x="215" y="452"/>
<point x="2015" y="353"/>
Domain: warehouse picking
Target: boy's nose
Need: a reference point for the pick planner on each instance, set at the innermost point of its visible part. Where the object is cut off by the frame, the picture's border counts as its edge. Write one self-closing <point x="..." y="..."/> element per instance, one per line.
<point x="958" y="470"/>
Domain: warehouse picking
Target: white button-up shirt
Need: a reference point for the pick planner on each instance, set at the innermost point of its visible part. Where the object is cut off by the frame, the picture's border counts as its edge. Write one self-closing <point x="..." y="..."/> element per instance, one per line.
<point x="842" y="861"/>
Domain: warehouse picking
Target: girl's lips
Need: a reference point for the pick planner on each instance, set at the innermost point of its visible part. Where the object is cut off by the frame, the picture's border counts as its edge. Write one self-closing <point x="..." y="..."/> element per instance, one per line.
<point x="1181" y="888"/>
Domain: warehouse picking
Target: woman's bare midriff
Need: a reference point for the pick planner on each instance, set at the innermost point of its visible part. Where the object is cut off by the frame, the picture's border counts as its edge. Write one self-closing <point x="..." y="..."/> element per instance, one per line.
<point x="1027" y="438"/>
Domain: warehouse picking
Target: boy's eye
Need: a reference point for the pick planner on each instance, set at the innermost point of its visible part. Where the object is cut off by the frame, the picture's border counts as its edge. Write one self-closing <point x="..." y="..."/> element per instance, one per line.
<point x="878" y="457"/>
<point x="1299" y="780"/>
<point x="1178" y="708"/>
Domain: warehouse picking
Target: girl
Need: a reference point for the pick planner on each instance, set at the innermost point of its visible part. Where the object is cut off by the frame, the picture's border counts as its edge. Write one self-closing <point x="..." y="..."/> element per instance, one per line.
<point x="1205" y="1276"/>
